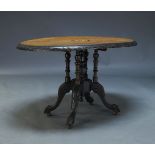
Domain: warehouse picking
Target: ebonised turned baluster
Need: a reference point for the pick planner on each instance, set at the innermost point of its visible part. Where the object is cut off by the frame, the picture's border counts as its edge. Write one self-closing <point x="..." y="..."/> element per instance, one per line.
<point x="67" y="56"/>
<point x="77" y="70"/>
<point x="95" y="70"/>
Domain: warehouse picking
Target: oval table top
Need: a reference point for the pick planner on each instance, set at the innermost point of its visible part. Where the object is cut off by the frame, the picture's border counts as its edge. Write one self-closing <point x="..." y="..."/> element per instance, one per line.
<point x="75" y="42"/>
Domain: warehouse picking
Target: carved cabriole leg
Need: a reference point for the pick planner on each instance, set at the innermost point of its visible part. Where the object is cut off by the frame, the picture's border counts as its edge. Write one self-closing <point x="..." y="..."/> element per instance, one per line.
<point x="63" y="89"/>
<point x="84" y="76"/>
<point x="75" y="102"/>
<point x="75" y="92"/>
<point x="99" y="89"/>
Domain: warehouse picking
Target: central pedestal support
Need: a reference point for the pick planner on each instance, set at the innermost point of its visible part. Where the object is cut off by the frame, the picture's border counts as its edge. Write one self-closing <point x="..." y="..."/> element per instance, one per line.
<point x="81" y="86"/>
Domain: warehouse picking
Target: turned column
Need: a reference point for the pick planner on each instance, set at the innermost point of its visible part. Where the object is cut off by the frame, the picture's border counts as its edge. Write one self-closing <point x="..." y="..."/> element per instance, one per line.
<point x="83" y="64"/>
<point x="95" y="70"/>
<point x="85" y="59"/>
<point x="67" y="70"/>
<point x="77" y="70"/>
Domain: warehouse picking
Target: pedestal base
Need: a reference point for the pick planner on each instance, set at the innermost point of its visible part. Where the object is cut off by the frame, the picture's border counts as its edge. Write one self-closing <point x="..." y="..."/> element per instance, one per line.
<point x="81" y="86"/>
<point x="78" y="92"/>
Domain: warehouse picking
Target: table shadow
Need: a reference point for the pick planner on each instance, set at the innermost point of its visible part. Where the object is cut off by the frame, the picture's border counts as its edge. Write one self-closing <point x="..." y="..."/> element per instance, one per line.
<point x="30" y="114"/>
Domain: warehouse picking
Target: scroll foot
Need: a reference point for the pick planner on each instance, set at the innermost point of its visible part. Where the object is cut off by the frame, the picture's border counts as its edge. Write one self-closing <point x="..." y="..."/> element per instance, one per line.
<point x="63" y="89"/>
<point x="71" y="119"/>
<point x="89" y="99"/>
<point x="98" y="88"/>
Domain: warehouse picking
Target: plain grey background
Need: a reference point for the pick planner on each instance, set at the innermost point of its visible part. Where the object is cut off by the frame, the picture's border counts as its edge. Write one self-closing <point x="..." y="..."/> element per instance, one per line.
<point x="29" y="80"/>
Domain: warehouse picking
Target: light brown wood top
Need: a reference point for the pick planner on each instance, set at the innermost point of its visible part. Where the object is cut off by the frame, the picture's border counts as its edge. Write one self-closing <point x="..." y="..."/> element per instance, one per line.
<point x="74" y="41"/>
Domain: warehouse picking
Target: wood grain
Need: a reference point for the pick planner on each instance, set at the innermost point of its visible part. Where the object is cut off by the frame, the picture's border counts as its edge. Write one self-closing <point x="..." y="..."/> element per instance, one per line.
<point x="74" y="40"/>
<point x="74" y="43"/>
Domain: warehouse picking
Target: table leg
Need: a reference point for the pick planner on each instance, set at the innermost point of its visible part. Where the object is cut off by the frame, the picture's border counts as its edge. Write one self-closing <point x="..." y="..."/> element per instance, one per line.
<point x="75" y="91"/>
<point x="64" y="88"/>
<point x="74" y="102"/>
<point x="84" y="77"/>
<point x="99" y="89"/>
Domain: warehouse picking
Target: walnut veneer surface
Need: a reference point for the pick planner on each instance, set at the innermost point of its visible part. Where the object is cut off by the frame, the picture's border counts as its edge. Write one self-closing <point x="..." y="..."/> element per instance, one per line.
<point x="75" y="42"/>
